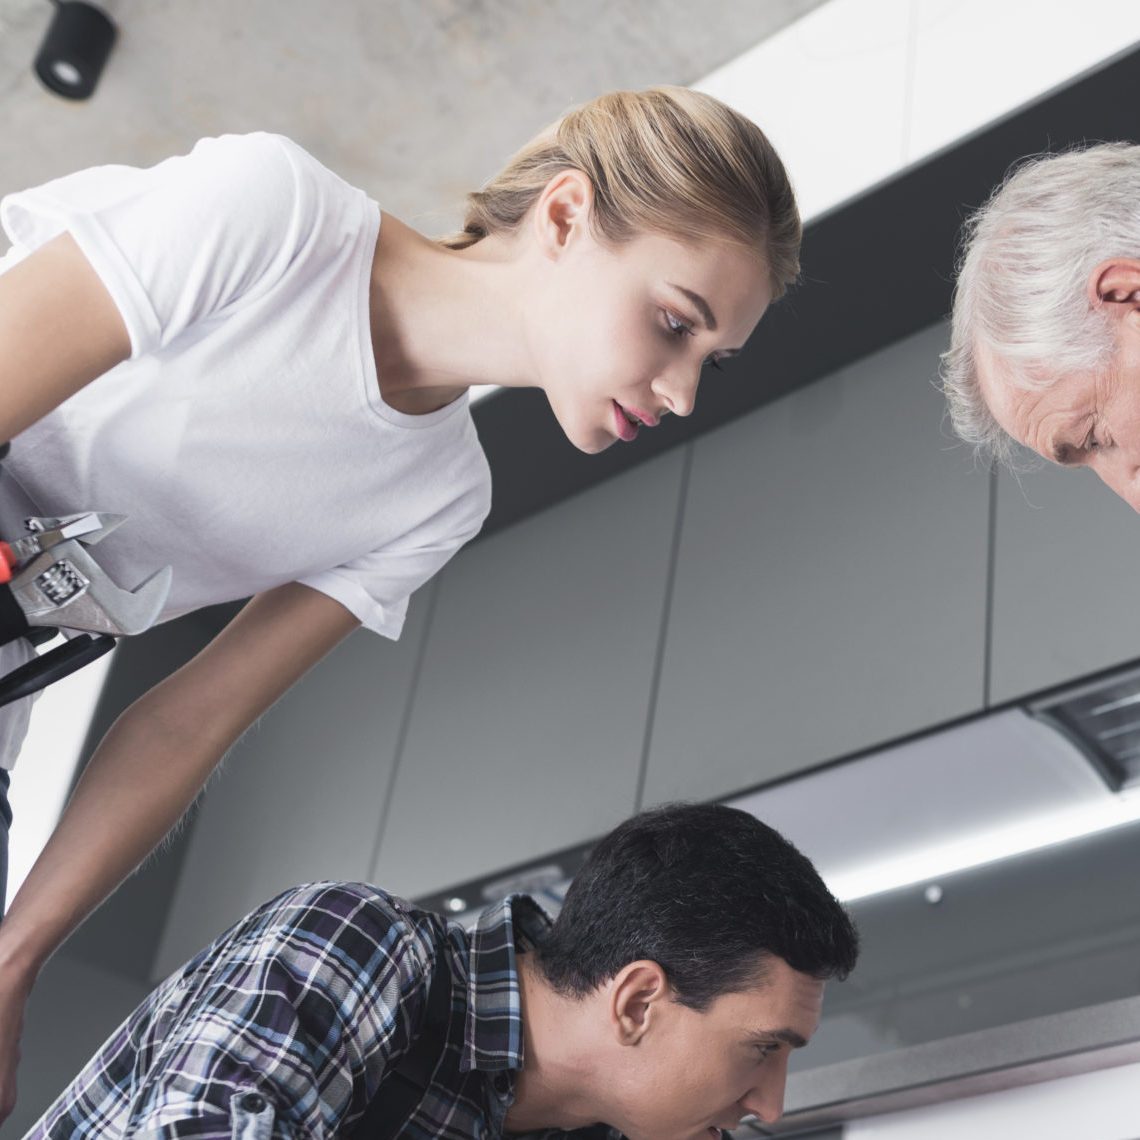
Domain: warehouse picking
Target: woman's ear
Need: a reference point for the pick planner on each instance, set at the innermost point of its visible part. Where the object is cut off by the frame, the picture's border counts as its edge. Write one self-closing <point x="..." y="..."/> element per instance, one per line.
<point x="638" y="993"/>
<point x="562" y="212"/>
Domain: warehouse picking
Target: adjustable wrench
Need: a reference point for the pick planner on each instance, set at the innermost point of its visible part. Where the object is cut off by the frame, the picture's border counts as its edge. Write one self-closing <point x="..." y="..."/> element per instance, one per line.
<point x="54" y="585"/>
<point x="57" y="584"/>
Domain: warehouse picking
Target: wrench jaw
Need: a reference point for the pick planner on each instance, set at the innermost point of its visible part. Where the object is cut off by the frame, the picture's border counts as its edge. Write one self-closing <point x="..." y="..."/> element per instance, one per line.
<point x="89" y="527"/>
<point x="64" y="587"/>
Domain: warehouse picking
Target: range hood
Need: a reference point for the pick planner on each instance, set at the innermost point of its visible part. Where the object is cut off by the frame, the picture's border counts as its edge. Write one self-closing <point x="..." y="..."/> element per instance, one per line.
<point x="998" y="786"/>
<point x="1051" y="770"/>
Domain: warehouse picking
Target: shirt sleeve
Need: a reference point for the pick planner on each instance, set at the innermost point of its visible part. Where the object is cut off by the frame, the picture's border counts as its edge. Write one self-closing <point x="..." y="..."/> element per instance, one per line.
<point x="375" y="587"/>
<point x="291" y="1028"/>
<point x="177" y="243"/>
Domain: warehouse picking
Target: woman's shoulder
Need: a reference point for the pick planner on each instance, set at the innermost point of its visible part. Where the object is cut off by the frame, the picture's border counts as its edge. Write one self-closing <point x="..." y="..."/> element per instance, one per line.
<point x="307" y="166"/>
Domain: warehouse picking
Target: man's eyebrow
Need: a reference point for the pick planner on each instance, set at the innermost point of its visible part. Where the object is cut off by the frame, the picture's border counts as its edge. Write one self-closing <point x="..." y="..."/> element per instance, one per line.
<point x="1065" y="454"/>
<point x="1069" y="454"/>
<point x="787" y="1036"/>
<point x="700" y="304"/>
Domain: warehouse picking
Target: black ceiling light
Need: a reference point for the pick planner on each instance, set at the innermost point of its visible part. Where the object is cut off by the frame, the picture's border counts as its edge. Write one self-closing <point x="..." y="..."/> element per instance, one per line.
<point x="75" y="49"/>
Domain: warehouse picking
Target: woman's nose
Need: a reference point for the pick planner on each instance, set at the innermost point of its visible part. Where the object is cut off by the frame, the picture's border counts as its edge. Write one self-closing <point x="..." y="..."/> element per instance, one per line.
<point x="678" y="391"/>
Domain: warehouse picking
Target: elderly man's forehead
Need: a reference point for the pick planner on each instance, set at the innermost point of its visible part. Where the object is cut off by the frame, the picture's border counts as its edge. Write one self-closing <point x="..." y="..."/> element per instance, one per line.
<point x="1041" y="418"/>
<point x="995" y="382"/>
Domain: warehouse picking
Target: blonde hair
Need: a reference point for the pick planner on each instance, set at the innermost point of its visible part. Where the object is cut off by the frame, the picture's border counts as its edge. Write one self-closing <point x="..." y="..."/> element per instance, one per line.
<point x="1025" y="262"/>
<point x="666" y="160"/>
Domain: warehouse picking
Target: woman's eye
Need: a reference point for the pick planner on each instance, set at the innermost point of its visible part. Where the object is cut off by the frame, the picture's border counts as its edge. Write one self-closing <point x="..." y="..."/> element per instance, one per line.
<point x="713" y="362"/>
<point x="677" y="326"/>
<point x="766" y="1051"/>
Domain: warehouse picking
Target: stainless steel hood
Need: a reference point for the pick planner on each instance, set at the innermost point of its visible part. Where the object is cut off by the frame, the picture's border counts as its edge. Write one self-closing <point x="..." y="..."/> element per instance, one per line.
<point x="988" y="789"/>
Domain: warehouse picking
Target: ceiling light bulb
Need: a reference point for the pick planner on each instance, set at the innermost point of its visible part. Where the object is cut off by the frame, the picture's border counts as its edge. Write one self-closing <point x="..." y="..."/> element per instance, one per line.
<point x="66" y="72"/>
<point x="75" y="49"/>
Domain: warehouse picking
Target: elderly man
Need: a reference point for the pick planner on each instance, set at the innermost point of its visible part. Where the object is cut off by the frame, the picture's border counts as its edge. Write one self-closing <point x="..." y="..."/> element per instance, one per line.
<point x="1045" y="349"/>
<point x="688" y="960"/>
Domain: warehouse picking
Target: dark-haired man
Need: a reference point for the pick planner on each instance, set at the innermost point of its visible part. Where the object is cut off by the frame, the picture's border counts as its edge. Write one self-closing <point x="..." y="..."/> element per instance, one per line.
<point x="688" y="960"/>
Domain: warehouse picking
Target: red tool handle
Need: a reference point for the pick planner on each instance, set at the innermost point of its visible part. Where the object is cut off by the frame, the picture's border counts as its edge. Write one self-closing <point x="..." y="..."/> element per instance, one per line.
<point x="7" y="562"/>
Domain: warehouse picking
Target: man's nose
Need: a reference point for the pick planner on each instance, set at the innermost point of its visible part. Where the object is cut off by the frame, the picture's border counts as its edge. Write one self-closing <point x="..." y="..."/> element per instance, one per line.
<point x="766" y="1100"/>
<point x="1120" y="472"/>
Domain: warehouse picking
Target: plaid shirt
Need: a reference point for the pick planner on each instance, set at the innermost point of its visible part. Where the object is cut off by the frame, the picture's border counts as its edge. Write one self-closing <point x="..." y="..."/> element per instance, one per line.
<point x="309" y="1002"/>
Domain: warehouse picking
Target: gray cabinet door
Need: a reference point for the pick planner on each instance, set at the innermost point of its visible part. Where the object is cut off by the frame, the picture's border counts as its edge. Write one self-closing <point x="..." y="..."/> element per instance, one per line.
<point x="301" y="796"/>
<point x="831" y="583"/>
<point x="1066" y="567"/>
<point x="529" y="719"/>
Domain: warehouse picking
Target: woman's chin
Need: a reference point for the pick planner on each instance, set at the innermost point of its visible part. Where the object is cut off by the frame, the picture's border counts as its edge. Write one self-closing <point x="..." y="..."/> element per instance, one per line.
<point x="596" y="446"/>
<point x="589" y="442"/>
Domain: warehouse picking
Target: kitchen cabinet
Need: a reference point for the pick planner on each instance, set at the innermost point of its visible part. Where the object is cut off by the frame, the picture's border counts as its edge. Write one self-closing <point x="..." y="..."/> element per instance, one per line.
<point x="831" y="581"/>
<point x="1066" y="566"/>
<point x="528" y="725"/>
<point x="301" y="796"/>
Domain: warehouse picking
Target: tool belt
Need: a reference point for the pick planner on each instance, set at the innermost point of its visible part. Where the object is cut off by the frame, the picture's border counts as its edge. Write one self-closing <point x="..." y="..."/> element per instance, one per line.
<point x="51" y="585"/>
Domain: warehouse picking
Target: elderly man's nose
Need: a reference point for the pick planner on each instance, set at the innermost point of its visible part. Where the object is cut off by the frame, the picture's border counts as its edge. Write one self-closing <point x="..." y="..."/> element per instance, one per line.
<point x="1122" y="475"/>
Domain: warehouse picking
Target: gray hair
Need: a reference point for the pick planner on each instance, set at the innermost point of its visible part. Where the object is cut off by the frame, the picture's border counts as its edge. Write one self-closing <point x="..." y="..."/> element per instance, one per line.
<point x="1021" y="294"/>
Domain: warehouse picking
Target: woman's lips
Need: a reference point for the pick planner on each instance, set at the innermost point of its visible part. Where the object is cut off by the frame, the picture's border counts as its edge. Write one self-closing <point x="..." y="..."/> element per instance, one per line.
<point x="625" y="430"/>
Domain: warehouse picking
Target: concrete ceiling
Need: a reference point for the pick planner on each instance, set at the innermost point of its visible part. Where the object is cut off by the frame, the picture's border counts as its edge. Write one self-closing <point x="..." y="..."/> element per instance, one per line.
<point x="416" y="102"/>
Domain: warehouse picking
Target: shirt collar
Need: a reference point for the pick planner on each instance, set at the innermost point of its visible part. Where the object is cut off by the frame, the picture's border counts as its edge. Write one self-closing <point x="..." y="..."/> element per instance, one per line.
<point x="493" y="1036"/>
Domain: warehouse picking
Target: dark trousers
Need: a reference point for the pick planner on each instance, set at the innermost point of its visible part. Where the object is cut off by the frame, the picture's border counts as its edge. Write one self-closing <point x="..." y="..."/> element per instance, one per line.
<point x="5" y="826"/>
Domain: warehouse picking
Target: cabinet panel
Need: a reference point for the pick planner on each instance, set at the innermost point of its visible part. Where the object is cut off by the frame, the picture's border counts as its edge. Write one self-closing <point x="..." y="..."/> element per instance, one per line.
<point x="300" y="798"/>
<point x="528" y="724"/>
<point x="1067" y="551"/>
<point x="831" y="583"/>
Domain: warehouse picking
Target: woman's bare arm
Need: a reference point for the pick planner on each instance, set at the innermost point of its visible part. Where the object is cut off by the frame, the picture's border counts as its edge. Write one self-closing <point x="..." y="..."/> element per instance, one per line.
<point x="147" y="771"/>
<point x="59" y="330"/>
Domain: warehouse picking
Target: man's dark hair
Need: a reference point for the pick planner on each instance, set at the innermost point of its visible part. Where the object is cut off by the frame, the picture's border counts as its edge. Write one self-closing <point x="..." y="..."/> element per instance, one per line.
<point x="706" y="891"/>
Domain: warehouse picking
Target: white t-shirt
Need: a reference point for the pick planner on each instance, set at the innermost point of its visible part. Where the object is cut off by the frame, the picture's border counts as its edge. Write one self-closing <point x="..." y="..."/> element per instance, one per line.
<point x="246" y="436"/>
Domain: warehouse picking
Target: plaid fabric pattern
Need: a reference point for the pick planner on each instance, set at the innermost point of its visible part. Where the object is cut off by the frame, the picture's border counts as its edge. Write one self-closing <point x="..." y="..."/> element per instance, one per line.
<point x="309" y="1002"/>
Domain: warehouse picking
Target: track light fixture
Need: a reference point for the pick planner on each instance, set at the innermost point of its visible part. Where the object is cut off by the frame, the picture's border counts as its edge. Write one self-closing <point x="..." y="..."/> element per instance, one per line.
<point x="75" y="49"/>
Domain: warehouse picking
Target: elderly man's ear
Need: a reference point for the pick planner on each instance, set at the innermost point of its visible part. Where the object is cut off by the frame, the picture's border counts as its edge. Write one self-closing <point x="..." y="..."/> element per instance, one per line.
<point x="1116" y="282"/>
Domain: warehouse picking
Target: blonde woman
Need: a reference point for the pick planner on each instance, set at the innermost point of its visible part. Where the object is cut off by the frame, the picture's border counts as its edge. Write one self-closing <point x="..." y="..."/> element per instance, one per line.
<point x="269" y="375"/>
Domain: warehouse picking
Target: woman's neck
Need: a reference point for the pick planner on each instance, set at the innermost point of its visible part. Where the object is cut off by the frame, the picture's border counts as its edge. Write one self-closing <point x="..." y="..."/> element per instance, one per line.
<point x="443" y="320"/>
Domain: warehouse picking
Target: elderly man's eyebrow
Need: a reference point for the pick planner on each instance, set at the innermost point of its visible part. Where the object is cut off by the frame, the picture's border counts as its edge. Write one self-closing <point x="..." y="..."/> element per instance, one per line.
<point x="787" y="1036"/>
<point x="1066" y="454"/>
<point x="700" y="304"/>
<point x="1080" y="427"/>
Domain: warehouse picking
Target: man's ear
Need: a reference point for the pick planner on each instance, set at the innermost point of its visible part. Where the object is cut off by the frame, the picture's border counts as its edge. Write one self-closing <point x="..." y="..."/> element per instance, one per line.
<point x="1115" y="282"/>
<point x="562" y="211"/>
<point x="638" y="995"/>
